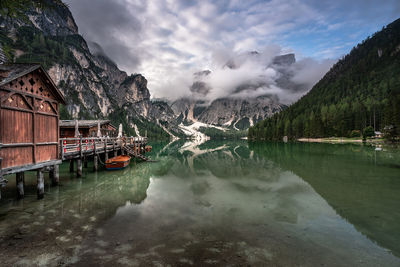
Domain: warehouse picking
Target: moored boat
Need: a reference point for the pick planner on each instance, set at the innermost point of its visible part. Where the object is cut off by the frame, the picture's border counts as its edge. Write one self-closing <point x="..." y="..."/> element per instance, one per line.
<point x="117" y="163"/>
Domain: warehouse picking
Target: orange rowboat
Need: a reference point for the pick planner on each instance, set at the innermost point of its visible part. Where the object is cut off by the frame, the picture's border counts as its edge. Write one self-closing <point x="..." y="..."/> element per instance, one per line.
<point x="117" y="163"/>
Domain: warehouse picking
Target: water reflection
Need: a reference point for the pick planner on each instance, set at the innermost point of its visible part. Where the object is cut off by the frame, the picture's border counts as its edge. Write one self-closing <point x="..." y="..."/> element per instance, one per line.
<point x="361" y="183"/>
<point x="58" y="224"/>
<point x="217" y="203"/>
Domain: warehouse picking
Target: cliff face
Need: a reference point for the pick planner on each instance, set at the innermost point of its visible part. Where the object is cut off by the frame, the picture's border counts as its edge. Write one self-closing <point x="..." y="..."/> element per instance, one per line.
<point x="238" y="112"/>
<point x="93" y="85"/>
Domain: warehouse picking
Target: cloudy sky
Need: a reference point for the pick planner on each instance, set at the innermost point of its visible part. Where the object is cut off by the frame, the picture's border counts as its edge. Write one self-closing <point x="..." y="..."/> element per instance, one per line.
<point x="167" y="41"/>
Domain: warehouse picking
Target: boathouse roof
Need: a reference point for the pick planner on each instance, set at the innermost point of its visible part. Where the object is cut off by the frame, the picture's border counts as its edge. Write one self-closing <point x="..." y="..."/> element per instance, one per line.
<point x="10" y="72"/>
<point x="83" y="123"/>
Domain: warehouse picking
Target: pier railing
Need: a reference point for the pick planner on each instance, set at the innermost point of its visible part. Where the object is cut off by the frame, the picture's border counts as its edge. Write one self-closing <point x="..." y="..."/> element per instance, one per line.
<point x="80" y="146"/>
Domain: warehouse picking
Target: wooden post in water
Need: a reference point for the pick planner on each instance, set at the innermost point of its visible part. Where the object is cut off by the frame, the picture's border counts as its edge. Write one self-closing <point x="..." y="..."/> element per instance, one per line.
<point x="85" y="161"/>
<point x="51" y="174"/>
<point x="121" y="144"/>
<point x="40" y="184"/>
<point x="79" y="167"/>
<point x="79" y="160"/>
<point x="55" y="175"/>
<point x="115" y="151"/>
<point x="135" y="147"/>
<point x="71" y="165"/>
<point x="95" y="158"/>
<point x="80" y="147"/>
<point x="20" y="181"/>
<point x="62" y="149"/>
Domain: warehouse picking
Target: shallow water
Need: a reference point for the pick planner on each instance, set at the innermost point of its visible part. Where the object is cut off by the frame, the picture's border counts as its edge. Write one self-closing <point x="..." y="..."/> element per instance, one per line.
<point x="217" y="203"/>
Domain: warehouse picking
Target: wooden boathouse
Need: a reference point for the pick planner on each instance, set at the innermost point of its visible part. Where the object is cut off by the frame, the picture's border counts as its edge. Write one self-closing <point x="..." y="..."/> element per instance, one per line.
<point x="87" y="128"/>
<point x="29" y="118"/>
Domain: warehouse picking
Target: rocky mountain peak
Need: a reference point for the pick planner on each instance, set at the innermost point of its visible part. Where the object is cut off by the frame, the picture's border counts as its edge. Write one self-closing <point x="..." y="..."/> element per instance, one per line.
<point x="134" y="89"/>
<point x="57" y="21"/>
<point x="285" y="60"/>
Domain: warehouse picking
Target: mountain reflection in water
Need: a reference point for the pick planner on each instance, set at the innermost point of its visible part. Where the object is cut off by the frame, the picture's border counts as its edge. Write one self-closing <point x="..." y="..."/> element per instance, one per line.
<point x="218" y="203"/>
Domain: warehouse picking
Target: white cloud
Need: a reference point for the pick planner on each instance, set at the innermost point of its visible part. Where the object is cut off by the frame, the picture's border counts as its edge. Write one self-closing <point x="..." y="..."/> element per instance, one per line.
<point x="167" y="41"/>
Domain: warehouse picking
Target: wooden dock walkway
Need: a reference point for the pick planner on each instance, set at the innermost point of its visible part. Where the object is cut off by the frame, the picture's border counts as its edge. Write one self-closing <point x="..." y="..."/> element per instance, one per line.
<point x="73" y="148"/>
<point x="78" y="150"/>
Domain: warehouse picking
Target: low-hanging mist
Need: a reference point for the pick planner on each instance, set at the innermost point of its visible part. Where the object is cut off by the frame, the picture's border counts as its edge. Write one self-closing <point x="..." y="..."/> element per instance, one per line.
<point x="248" y="75"/>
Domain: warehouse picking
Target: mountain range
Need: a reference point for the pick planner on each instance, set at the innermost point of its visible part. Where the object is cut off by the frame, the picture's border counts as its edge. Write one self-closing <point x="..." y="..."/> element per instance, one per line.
<point x="95" y="87"/>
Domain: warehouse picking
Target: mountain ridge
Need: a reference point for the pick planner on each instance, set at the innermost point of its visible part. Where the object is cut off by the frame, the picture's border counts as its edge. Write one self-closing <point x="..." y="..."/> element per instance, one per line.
<point x="96" y="88"/>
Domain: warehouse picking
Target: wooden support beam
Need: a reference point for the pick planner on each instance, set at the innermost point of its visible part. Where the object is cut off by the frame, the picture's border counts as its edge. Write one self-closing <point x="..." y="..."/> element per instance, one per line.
<point x="55" y="175"/>
<point x="135" y="148"/>
<point x="30" y="167"/>
<point x="20" y="182"/>
<point x="115" y="152"/>
<point x="62" y="149"/>
<point x="85" y="162"/>
<point x="71" y="165"/>
<point x="79" y="167"/>
<point x="3" y="182"/>
<point x="40" y="184"/>
<point x="105" y="150"/>
<point x="80" y="148"/>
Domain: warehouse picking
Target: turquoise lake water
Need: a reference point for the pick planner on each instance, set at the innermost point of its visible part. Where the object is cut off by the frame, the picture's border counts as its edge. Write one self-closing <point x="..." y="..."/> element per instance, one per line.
<point x="217" y="203"/>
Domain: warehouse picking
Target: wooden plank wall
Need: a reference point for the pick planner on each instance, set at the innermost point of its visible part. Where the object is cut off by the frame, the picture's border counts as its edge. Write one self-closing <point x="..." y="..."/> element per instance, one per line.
<point x="17" y="126"/>
<point x="16" y="156"/>
<point x="46" y="153"/>
<point x="45" y="129"/>
<point x="29" y="116"/>
<point x="46" y="132"/>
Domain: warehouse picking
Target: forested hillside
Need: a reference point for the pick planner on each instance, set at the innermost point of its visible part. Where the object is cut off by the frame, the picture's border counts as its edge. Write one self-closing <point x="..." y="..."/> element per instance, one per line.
<point x="362" y="89"/>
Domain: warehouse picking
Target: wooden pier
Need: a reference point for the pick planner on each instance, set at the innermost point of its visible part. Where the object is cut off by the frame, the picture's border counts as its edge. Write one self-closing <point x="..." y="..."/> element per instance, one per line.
<point x="82" y="149"/>
<point x="78" y="151"/>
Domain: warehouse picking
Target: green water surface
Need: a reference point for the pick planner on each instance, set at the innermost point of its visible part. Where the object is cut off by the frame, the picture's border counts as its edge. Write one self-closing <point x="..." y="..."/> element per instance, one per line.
<point x="216" y="203"/>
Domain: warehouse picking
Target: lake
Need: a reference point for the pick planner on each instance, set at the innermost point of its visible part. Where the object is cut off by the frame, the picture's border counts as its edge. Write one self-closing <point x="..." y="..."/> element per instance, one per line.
<point x="217" y="203"/>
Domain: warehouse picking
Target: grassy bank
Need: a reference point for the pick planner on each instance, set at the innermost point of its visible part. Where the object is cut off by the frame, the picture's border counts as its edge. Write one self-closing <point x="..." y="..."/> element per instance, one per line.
<point x="341" y="140"/>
